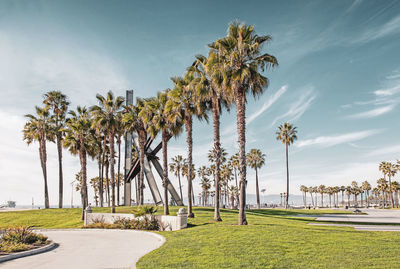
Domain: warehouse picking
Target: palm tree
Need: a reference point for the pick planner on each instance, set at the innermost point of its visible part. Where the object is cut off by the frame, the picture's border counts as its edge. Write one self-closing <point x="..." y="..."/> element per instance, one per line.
<point x="119" y="133"/>
<point x="382" y="187"/>
<point x="342" y="189"/>
<point x="212" y="158"/>
<point x="176" y="168"/>
<point x="78" y="139"/>
<point x="329" y="191"/>
<point x="39" y="128"/>
<point x="234" y="160"/>
<point x="304" y="191"/>
<point x="287" y="134"/>
<point x="105" y="115"/>
<point x="310" y="191"/>
<point x="389" y="170"/>
<point x="203" y="173"/>
<point x="256" y="159"/>
<point x="210" y="89"/>
<point x="183" y="99"/>
<point x="158" y="120"/>
<point x="240" y="54"/>
<point x="396" y="188"/>
<point x="366" y="187"/>
<point x="134" y="122"/>
<point x="185" y="173"/>
<point x="58" y="103"/>
<point x="322" y="190"/>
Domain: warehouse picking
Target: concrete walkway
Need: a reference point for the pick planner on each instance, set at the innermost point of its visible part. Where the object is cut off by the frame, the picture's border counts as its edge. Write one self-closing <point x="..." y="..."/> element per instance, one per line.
<point x="373" y="216"/>
<point x="91" y="249"/>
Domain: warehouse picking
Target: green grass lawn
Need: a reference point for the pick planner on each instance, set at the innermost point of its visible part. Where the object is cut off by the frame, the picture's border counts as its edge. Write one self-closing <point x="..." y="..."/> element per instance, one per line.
<point x="273" y="239"/>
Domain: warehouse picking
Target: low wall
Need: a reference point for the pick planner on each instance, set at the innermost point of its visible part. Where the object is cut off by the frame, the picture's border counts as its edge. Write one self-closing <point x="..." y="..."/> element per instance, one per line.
<point x="169" y="223"/>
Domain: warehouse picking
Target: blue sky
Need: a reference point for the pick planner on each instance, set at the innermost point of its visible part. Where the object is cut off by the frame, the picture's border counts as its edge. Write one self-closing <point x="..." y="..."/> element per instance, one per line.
<point x="338" y="80"/>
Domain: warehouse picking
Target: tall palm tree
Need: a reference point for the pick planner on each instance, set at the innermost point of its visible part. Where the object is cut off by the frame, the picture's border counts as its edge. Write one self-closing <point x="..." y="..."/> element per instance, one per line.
<point x="176" y="168"/>
<point x="105" y="115"/>
<point x="366" y="187"/>
<point x="157" y="120"/>
<point x="134" y="122"/>
<point x="185" y="173"/>
<point x="322" y="190"/>
<point x="39" y="128"/>
<point x="183" y="99"/>
<point x="304" y="191"/>
<point x="234" y="160"/>
<point x="342" y="189"/>
<point x="119" y="133"/>
<point x="389" y="170"/>
<point x="57" y="102"/>
<point x="256" y="159"/>
<point x="240" y="53"/>
<point x="210" y="88"/>
<point x="78" y="139"/>
<point x="203" y="173"/>
<point x="310" y="191"/>
<point x="287" y="134"/>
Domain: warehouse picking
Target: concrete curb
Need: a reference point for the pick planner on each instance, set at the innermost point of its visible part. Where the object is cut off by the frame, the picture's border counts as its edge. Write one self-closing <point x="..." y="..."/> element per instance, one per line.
<point x="27" y="253"/>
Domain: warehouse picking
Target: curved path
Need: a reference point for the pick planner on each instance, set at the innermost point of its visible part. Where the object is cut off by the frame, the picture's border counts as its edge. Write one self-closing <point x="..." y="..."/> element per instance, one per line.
<point x="91" y="249"/>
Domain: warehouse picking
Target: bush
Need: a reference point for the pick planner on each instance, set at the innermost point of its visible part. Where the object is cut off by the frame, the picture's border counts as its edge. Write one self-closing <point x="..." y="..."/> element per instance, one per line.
<point x="23" y="235"/>
<point x="142" y="223"/>
<point x="9" y="247"/>
<point x="99" y="224"/>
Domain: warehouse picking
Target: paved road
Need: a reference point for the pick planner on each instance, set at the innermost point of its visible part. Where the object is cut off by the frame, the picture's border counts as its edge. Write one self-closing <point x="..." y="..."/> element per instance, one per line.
<point x="91" y="249"/>
<point x="373" y="216"/>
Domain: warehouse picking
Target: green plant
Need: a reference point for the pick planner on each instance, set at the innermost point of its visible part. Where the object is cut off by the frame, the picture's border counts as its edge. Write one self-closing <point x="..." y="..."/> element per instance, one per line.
<point x="10" y="247"/>
<point x="144" y="210"/>
<point x="24" y="235"/>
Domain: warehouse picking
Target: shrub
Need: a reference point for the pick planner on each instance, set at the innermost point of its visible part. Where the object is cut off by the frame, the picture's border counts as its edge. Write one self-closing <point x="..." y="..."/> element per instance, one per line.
<point x="8" y="247"/>
<point x="23" y="235"/>
<point x="144" y="210"/>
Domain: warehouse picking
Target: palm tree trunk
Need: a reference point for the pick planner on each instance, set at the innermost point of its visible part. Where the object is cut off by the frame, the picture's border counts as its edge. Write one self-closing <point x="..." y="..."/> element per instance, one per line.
<point x="180" y="186"/>
<point x="101" y="173"/>
<point x="189" y="140"/>
<point x="391" y="191"/>
<point x="112" y="171"/>
<point x="236" y="181"/>
<point x="257" y="190"/>
<point x="43" y="160"/>
<point x="60" y="173"/>
<point x="84" y="179"/>
<point x="108" y="185"/>
<point x="217" y="148"/>
<point x="241" y="125"/>
<point x="119" y="170"/>
<point x="287" y="177"/>
<point x="165" y="171"/>
<point x="142" y="142"/>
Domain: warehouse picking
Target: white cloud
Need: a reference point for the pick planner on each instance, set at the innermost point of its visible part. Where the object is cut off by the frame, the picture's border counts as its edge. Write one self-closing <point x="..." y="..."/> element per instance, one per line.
<point x="373" y="113"/>
<point x="390" y="27"/>
<point x="392" y="150"/>
<point x="297" y="109"/>
<point x="270" y="101"/>
<point x="329" y="141"/>
<point x="388" y="92"/>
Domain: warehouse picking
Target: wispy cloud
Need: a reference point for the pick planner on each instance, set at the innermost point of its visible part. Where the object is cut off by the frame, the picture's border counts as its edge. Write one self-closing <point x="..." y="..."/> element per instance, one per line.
<point x="353" y="5"/>
<point x="329" y="141"/>
<point x="388" y="92"/>
<point x="390" y="27"/>
<point x="373" y="112"/>
<point x="297" y="109"/>
<point x="394" y="149"/>
<point x="270" y="101"/>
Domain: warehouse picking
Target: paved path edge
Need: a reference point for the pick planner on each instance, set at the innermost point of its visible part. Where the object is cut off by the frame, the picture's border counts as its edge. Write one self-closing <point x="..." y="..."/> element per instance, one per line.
<point x="27" y="253"/>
